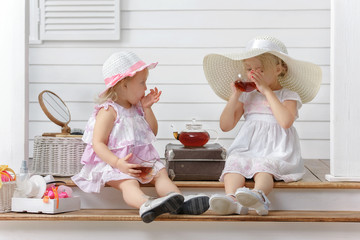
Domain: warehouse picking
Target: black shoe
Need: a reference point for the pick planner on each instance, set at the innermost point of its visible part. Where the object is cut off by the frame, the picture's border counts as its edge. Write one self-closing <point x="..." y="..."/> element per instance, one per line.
<point x="194" y="205"/>
<point x="155" y="207"/>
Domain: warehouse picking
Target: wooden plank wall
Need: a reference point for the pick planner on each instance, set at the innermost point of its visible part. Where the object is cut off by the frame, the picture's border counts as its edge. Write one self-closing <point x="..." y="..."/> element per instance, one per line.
<point x="178" y="34"/>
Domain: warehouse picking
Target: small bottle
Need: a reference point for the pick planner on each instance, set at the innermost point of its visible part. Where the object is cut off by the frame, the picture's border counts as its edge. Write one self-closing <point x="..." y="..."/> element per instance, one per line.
<point x="24" y="171"/>
<point x="22" y="181"/>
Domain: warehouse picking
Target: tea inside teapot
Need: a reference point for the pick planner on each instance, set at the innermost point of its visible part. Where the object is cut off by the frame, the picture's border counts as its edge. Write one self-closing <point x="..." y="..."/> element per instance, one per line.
<point x="193" y="135"/>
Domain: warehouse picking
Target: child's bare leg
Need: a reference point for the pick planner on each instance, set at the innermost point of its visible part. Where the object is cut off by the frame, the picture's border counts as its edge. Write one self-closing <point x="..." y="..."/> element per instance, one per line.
<point x="149" y="208"/>
<point x="233" y="181"/>
<point x="264" y="182"/>
<point x="163" y="184"/>
<point x="132" y="194"/>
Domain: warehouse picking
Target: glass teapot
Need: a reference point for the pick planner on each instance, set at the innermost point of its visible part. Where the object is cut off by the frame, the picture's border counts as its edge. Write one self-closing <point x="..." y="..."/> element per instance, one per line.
<point x="193" y="135"/>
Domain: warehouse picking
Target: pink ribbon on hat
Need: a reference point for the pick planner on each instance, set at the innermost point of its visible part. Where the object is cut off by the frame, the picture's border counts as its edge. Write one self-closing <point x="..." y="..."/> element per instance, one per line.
<point x="111" y="81"/>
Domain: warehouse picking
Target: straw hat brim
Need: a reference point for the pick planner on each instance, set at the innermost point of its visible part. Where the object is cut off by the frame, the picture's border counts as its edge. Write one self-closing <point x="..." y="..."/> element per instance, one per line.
<point x="221" y="70"/>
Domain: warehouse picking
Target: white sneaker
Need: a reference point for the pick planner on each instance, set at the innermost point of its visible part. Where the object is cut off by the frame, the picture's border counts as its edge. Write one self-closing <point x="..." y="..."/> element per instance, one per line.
<point x="225" y="205"/>
<point x="194" y="205"/>
<point x="255" y="199"/>
<point x="152" y="208"/>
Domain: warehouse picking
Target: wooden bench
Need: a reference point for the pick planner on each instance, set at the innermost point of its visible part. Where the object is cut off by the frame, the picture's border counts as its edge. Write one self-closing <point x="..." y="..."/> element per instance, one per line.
<point x="313" y="179"/>
<point x="133" y="215"/>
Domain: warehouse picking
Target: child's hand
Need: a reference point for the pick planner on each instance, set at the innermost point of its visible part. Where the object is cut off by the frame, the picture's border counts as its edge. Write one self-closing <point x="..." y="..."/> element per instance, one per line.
<point x="151" y="98"/>
<point x="235" y="92"/>
<point x="128" y="168"/>
<point x="258" y="78"/>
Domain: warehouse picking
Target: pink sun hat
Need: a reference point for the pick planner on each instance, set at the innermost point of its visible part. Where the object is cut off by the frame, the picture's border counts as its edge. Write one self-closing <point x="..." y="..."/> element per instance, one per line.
<point x="121" y="65"/>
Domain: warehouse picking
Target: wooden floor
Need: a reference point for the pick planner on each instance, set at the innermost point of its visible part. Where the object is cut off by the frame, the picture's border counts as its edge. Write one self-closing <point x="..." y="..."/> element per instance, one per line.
<point x="315" y="171"/>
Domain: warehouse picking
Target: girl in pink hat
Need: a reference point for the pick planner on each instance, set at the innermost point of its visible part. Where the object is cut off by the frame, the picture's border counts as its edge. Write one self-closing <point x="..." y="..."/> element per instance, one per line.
<point x="119" y="137"/>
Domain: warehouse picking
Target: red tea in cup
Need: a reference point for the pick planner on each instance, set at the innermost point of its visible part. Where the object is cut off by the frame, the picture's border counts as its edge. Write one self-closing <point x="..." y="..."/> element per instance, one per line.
<point x="144" y="171"/>
<point x="245" y="86"/>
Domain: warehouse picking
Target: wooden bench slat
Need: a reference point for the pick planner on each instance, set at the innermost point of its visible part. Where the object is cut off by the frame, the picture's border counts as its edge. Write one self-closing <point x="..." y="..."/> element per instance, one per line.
<point x="318" y="168"/>
<point x="314" y="178"/>
<point x="250" y="184"/>
<point x="132" y="215"/>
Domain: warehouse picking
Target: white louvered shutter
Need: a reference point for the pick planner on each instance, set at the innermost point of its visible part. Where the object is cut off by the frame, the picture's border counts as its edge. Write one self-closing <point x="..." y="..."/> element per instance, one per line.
<point x="79" y="19"/>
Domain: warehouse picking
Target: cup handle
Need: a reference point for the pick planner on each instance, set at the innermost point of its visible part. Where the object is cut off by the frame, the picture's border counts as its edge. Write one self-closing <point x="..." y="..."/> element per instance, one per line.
<point x="217" y="135"/>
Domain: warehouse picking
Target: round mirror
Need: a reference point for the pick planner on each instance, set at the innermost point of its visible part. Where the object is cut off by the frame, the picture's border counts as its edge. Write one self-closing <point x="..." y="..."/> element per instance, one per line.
<point x="56" y="110"/>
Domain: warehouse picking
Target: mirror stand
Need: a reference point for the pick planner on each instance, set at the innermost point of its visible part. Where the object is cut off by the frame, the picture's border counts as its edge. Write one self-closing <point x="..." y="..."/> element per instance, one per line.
<point x="57" y="111"/>
<point x="65" y="130"/>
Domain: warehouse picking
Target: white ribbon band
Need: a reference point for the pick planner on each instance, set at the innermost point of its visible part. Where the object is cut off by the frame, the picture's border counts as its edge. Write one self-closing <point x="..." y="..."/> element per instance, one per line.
<point x="264" y="44"/>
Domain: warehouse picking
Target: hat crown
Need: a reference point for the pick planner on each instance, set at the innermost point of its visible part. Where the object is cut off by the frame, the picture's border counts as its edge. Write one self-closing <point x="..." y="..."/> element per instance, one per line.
<point x="267" y="43"/>
<point x="119" y="63"/>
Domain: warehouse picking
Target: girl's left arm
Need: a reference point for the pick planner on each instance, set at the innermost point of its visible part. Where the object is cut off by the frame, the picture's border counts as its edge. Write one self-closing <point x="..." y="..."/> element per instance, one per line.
<point x="151" y="119"/>
<point x="147" y="102"/>
<point x="285" y="113"/>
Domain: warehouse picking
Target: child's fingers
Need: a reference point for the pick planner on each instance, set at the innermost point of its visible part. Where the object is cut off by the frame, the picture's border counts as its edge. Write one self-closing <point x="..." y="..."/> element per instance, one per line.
<point x="157" y="97"/>
<point x="254" y="74"/>
<point x="134" y="170"/>
<point x="158" y="94"/>
<point x="128" y="157"/>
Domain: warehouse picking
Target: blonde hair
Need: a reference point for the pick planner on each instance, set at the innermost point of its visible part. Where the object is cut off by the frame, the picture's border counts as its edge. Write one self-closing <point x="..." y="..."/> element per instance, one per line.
<point x="111" y="94"/>
<point x="269" y="61"/>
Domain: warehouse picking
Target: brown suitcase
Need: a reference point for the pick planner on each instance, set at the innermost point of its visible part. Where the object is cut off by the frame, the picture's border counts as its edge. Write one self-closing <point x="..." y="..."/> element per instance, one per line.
<point x="193" y="164"/>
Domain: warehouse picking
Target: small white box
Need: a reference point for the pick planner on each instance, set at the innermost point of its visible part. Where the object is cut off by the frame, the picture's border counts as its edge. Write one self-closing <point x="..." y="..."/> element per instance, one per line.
<point x="36" y="205"/>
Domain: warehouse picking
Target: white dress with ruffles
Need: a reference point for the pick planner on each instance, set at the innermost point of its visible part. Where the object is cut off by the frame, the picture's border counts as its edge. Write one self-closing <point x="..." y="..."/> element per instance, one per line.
<point x="262" y="145"/>
<point x="130" y="134"/>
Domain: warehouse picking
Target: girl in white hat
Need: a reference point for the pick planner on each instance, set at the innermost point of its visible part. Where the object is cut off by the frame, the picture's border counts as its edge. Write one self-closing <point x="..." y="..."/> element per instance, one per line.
<point x="119" y="137"/>
<point x="267" y="146"/>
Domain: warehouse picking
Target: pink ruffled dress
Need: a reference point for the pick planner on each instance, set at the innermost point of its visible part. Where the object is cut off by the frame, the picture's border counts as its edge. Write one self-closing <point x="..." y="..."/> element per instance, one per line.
<point x="262" y="145"/>
<point x="130" y="134"/>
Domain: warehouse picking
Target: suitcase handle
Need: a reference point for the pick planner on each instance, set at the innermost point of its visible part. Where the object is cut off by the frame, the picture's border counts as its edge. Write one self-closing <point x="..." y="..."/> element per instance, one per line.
<point x="171" y="174"/>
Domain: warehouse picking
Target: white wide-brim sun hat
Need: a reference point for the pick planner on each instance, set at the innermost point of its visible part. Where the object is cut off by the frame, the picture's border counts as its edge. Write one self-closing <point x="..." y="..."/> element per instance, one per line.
<point x="223" y="69"/>
<point x="121" y="65"/>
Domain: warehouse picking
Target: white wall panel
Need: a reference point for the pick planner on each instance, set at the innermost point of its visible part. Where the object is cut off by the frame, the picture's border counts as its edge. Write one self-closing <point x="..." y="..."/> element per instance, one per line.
<point x="211" y="38"/>
<point x="145" y="5"/>
<point x="178" y="34"/>
<point x="230" y="19"/>
<point x="165" y="56"/>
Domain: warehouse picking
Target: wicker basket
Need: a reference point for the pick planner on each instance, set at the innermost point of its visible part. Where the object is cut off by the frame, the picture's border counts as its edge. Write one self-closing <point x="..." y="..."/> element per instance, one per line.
<point x="57" y="156"/>
<point x="6" y="193"/>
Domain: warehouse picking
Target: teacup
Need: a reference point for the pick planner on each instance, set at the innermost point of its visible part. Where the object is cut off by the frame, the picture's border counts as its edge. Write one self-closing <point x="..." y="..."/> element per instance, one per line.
<point x="147" y="170"/>
<point x="244" y="84"/>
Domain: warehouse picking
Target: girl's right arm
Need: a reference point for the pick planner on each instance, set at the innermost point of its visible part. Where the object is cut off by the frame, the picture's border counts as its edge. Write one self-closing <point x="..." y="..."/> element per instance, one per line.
<point x="232" y="111"/>
<point x="103" y="126"/>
